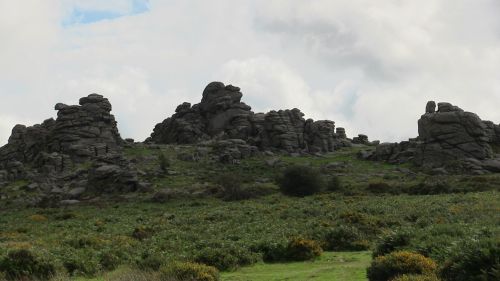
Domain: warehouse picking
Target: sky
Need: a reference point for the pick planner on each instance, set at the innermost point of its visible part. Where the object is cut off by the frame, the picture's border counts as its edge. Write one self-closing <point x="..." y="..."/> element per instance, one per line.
<point x="370" y="66"/>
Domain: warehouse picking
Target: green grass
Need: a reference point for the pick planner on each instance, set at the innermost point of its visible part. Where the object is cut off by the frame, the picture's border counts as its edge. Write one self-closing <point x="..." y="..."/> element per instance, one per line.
<point x="341" y="266"/>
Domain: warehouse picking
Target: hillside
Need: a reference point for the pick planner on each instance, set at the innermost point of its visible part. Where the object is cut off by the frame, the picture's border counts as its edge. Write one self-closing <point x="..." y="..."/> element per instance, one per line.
<point x="209" y="187"/>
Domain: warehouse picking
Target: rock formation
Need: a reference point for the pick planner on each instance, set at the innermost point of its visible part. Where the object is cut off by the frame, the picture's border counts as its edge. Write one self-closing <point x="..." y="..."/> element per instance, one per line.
<point x="82" y="135"/>
<point x="221" y="115"/>
<point x="447" y="137"/>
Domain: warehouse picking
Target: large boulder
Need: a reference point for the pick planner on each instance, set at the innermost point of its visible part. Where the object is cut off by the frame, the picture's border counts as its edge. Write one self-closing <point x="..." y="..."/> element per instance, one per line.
<point x="222" y="115"/>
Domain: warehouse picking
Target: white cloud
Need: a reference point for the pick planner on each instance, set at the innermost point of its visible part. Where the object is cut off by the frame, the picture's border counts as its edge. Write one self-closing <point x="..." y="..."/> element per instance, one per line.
<point x="369" y="66"/>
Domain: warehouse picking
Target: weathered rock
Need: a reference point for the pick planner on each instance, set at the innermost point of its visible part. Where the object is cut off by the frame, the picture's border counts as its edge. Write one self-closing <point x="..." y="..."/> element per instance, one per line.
<point x="449" y="137"/>
<point x="222" y="115"/>
<point x="53" y="153"/>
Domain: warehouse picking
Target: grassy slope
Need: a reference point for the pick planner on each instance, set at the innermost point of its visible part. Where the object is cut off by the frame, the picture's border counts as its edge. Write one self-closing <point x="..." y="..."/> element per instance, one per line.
<point x="182" y="226"/>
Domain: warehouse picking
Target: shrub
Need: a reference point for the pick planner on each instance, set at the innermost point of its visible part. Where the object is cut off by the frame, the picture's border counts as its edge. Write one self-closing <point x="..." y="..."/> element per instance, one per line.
<point x="300" y="181"/>
<point x="300" y="249"/>
<point x="109" y="261"/>
<point x="428" y="188"/>
<point x="416" y="277"/>
<point x="381" y="188"/>
<point x="384" y="268"/>
<point x="345" y="238"/>
<point x="473" y="261"/>
<point x="334" y="184"/>
<point x="163" y="161"/>
<point x="394" y="240"/>
<point x="189" y="271"/>
<point x="273" y="251"/>
<point x="140" y="233"/>
<point x="226" y="258"/>
<point x="82" y="262"/>
<point x="232" y="189"/>
<point x="150" y="261"/>
<point x="22" y="264"/>
<point x="38" y="218"/>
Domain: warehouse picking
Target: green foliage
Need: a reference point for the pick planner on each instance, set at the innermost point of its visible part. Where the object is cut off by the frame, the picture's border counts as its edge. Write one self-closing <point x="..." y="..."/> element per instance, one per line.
<point x="301" y="181"/>
<point x="474" y="261"/>
<point x="188" y="271"/>
<point x="23" y="265"/>
<point x="394" y="240"/>
<point x="163" y="161"/>
<point x="345" y="238"/>
<point x="109" y="261"/>
<point x="141" y="232"/>
<point x="386" y="267"/>
<point x="296" y="249"/>
<point x="228" y="257"/>
<point x="150" y="261"/>
<point x="381" y="187"/>
<point x="335" y="184"/>
<point x="82" y="263"/>
<point x="416" y="277"/>
<point x="300" y="249"/>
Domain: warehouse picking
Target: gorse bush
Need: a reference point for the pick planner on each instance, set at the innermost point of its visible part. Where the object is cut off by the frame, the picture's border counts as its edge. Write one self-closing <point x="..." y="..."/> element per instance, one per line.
<point x="150" y="261"/>
<point x="227" y="257"/>
<point x="82" y="263"/>
<point x="296" y="249"/>
<point x="163" y="161"/>
<point x="300" y="249"/>
<point x="394" y="240"/>
<point x="345" y="238"/>
<point x="300" y="181"/>
<point x="23" y="265"/>
<point x="416" y="277"/>
<point x="334" y="184"/>
<point x="189" y="271"/>
<point x="386" y="267"/>
<point x="474" y="261"/>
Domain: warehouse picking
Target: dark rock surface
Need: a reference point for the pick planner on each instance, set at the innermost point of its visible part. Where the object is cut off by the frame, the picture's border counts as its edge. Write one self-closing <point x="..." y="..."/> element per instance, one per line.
<point x="222" y="116"/>
<point x="58" y="154"/>
<point x="447" y="137"/>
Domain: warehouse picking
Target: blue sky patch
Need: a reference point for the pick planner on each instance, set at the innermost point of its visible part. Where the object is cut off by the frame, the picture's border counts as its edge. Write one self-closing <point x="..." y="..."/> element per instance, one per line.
<point x="87" y="16"/>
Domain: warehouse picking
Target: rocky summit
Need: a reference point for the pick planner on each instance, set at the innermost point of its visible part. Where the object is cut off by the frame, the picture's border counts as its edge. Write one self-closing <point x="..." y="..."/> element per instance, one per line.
<point x="79" y="151"/>
<point x="222" y="116"/>
<point x="449" y="138"/>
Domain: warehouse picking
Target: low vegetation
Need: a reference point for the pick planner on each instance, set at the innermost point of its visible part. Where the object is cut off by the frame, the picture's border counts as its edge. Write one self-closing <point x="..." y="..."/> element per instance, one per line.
<point x="257" y="221"/>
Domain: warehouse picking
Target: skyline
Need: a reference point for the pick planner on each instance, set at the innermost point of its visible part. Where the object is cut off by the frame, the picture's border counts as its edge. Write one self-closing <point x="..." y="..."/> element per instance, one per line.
<point x="370" y="68"/>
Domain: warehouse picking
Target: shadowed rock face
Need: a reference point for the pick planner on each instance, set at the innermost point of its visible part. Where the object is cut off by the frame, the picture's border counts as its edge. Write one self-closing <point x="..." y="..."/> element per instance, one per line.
<point x="451" y="134"/>
<point x="447" y="137"/>
<point x="222" y="115"/>
<point x="51" y="152"/>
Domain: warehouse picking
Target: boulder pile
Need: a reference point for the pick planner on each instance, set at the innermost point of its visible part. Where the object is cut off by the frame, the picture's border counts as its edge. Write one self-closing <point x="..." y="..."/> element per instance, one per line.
<point x="448" y="137"/>
<point x="222" y="116"/>
<point x="82" y="136"/>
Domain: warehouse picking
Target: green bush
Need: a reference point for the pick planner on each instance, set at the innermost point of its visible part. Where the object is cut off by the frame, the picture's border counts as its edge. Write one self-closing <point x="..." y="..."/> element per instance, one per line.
<point x="386" y="267"/>
<point x="297" y="249"/>
<point x="474" y="261"/>
<point x="82" y="263"/>
<point x="226" y="258"/>
<point x="150" y="262"/>
<point x="109" y="261"/>
<point x="345" y="238"/>
<point x="416" y="277"/>
<point x="141" y="232"/>
<point x="189" y="271"/>
<point x="432" y="188"/>
<point x="394" y="240"/>
<point x="300" y="249"/>
<point x="334" y="184"/>
<point x="23" y="265"/>
<point x="381" y="188"/>
<point x="232" y="187"/>
<point x="300" y="181"/>
<point x="163" y="161"/>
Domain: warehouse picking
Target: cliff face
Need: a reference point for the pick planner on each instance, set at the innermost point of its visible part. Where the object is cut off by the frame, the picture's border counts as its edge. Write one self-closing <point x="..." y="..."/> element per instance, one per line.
<point x="222" y="115"/>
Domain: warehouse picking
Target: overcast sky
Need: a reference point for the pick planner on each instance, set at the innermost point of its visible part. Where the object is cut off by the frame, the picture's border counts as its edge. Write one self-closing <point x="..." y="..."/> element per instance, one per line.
<point x="370" y="66"/>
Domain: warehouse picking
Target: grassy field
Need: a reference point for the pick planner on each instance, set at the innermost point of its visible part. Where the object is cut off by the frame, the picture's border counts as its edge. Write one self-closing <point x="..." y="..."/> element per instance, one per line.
<point x="341" y="266"/>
